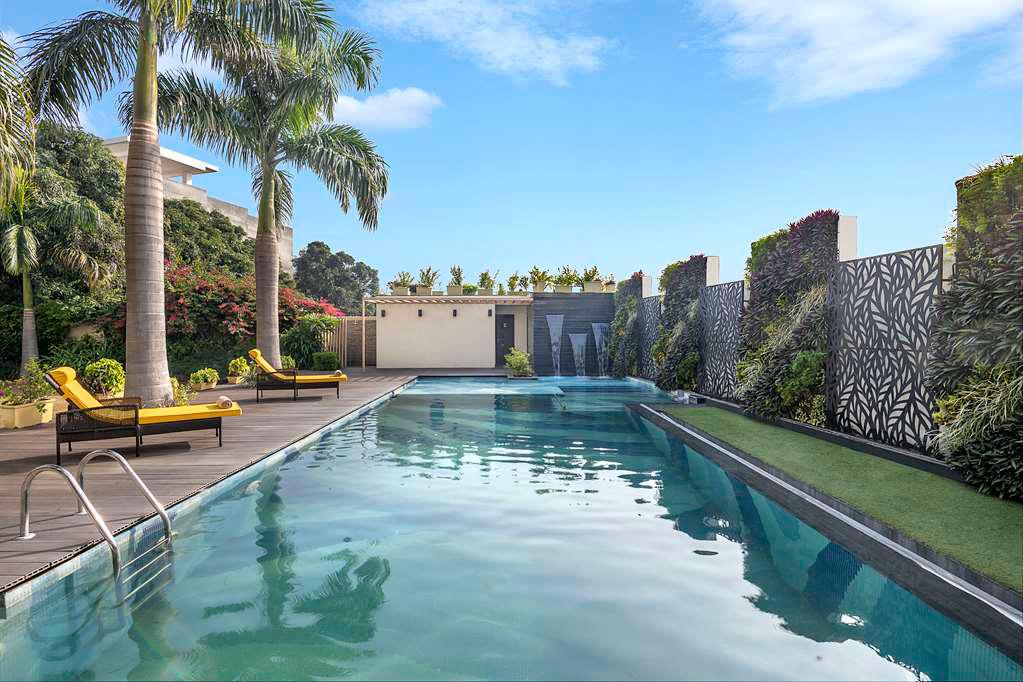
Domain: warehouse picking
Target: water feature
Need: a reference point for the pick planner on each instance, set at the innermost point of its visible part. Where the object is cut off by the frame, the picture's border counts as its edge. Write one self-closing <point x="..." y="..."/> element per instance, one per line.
<point x="579" y="352"/>
<point x="554" y="324"/>
<point x="600" y="338"/>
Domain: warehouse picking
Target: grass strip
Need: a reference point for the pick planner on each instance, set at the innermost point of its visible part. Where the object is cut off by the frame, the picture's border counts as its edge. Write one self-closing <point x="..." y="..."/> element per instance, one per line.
<point x="982" y="532"/>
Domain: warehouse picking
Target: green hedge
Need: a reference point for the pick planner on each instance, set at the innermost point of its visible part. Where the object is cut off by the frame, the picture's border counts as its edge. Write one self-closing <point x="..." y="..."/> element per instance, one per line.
<point x="676" y="351"/>
<point x="326" y="361"/>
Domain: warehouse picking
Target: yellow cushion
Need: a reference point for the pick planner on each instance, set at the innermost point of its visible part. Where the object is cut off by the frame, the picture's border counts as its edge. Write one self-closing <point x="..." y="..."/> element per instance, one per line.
<point x="71" y="389"/>
<point x="257" y="356"/>
<point x="162" y="415"/>
<point x="317" y="378"/>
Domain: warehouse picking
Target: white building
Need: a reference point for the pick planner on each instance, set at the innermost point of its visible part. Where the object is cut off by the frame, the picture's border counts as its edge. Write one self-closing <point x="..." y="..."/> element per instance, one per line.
<point x="178" y="170"/>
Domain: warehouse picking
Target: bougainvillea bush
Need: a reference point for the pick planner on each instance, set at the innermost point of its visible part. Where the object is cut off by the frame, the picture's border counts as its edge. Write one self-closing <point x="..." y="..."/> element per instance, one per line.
<point x="975" y="366"/>
<point x="783" y="335"/>
<point x="623" y="347"/>
<point x="676" y="351"/>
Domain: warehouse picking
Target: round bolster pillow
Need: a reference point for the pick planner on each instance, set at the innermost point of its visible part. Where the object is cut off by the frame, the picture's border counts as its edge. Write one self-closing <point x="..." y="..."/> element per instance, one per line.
<point x="224" y="402"/>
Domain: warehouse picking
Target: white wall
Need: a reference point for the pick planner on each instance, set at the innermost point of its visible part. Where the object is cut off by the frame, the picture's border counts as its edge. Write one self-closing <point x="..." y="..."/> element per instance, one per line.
<point x="437" y="339"/>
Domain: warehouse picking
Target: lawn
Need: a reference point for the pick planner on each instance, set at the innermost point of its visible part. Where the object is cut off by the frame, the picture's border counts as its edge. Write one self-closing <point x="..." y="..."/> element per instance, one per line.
<point x="984" y="533"/>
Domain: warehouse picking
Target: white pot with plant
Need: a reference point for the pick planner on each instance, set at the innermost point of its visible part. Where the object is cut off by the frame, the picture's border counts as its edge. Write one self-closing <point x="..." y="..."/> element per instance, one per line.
<point x="204" y="379"/>
<point x="539" y="278"/>
<point x="238" y="370"/>
<point x="427" y="279"/>
<point x="565" y="280"/>
<point x="455" y="283"/>
<point x="591" y="281"/>
<point x="610" y="284"/>
<point x="105" y="377"/>
<point x="26" y="401"/>
<point x="401" y="283"/>
<point x="518" y="285"/>
<point x="485" y="284"/>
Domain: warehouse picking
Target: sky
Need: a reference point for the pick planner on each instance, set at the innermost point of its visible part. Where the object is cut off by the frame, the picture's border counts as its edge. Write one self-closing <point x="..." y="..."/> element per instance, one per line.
<point x="629" y="135"/>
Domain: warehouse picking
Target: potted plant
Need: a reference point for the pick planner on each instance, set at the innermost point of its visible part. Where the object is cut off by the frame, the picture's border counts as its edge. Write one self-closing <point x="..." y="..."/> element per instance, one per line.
<point x="204" y="379"/>
<point x="565" y="279"/>
<point x="513" y="283"/>
<point x="486" y="284"/>
<point x="591" y="281"/>
<point x="237" y="370"/>
<point x="610" y="284"/>
<point x="26" y="401"/>
<point x="469" y="290"/>
<point x="105" y="377"/>
<point x="539" y="278"/>
<point x="518" y="362"/>
<point x="455" y="284"/>
<point x="427" y="278"/>
<point x="401" y="283"/>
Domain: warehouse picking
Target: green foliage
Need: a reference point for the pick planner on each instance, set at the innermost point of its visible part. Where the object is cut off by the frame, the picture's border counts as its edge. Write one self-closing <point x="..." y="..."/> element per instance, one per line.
<point x="566" y="277"/>
<point x="456" y="275"/>
<point x="623" y="345"/>
<point x="287" y="362"/>
<point x="194" y="235"/>
<point x="518" y="362"/>
<point x="335" y="277"/>
<point x="182" y="394"/>
<point x="486" y="280"/>
<point x="590" y="274"/>
<point x="306" y="337"/>
<point x="206" y="375"/>
<point x="538" y="277"/>
<point x="325" y="361"/>
<point x="677" y="351"/>
<point x="975" y="366"/>
<point x="985" y="201"/>
<point x="513" y="282"/>
<point x="81" y="158"/>
<point x="759" y="250"/>
<point x="28" y="390"/>
<point x="428" y="277"/>
<point x="799" y="387"/>
<point x="105" y="375"/>
<point x="469" y="289"/>
<point x="81" y="352"/>
<point x="403" y="279"/>
<point x="239" y="367"/>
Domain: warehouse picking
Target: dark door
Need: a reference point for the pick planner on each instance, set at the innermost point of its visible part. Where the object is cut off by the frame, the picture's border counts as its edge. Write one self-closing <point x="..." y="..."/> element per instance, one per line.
<point x="505" y="336"/>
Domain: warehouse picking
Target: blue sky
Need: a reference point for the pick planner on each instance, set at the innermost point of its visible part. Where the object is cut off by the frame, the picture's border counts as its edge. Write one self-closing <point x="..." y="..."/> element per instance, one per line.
<point x="632" y="134"/>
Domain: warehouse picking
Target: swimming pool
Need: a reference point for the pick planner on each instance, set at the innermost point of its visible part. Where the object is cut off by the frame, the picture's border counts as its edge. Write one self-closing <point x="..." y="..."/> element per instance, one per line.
<point x="496" y="529"/>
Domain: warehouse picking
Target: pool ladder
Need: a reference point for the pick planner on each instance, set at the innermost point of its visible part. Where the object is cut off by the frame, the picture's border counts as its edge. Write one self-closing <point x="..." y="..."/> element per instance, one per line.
<point x="85" y="506"/>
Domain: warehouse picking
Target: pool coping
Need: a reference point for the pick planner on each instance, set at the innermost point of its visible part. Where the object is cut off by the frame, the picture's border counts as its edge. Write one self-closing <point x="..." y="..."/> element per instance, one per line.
<point x="942" y="582"/>
<point x="19" y="594"/>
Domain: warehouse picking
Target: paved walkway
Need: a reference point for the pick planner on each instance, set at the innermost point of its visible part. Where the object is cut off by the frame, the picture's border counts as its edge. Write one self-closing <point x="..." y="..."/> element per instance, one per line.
<point x="172" y="473"/>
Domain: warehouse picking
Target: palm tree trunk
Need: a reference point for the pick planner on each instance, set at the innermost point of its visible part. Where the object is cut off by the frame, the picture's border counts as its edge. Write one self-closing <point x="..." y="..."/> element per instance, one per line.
<point x="268" y="265"/>
<point x="29" y="344"/>
<point x="146" y="328"/>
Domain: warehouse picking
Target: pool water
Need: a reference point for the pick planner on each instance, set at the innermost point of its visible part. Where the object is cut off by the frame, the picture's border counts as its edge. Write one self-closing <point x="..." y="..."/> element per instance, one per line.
<point x="500" y="530"/>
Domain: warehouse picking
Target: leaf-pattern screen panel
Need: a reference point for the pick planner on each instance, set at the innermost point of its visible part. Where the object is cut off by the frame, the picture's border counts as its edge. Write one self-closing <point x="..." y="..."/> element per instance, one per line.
<point x="649" y="329"/>
<point x="880" y="311"/>
<point x="720" y="311"/>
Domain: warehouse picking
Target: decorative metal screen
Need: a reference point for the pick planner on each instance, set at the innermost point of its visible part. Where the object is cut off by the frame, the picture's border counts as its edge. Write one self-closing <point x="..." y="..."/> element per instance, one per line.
<point x="720" y="310"/>
<point x="649" y="330"/>
<point x="879" y="314"/>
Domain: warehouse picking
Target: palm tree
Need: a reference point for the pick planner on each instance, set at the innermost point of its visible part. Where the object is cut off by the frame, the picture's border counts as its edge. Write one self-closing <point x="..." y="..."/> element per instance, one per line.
<point x="271" y="116"/>
<point x="19" y="246"/>
<point x="76" y="62"/>
<point x="16" y="138"/>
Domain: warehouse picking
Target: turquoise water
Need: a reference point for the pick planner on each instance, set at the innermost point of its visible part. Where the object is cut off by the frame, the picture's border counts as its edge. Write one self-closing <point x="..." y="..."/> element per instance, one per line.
<point x="498" y="530"/>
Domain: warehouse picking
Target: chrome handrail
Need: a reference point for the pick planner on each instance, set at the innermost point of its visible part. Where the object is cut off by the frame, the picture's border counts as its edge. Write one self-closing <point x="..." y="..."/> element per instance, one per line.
<point x="83" y="501"/>
<point x="133" y="476"/>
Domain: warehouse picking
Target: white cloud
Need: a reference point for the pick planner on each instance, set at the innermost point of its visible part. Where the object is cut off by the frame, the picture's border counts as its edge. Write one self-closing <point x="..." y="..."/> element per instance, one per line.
<point x="506" y="36"/>
<point x="813" y="50"/>
<point x="394" y="108"/>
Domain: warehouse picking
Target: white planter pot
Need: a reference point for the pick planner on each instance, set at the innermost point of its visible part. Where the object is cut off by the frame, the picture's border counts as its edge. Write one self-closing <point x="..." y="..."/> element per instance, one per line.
<point x="204" y="386"/>
<point x="485" y="292"/>
<point x="563" y="288"/>
<point x="593" y="287"/>
<point x="399" y="291"/>
<point x="540" y="287"/>
<point x="455" y="290"/>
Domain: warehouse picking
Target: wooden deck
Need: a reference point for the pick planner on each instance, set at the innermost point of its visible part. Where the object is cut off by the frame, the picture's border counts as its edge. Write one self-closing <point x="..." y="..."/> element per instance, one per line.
<point x="171" y="472"/>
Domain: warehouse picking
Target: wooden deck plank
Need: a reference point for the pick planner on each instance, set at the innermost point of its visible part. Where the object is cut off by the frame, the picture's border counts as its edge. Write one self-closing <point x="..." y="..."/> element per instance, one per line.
<point x="171" y="473"/>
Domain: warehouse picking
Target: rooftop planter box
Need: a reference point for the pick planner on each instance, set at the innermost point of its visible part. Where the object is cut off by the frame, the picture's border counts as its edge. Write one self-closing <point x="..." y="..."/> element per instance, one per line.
<point x="593" y="287"/>
<point x="563" y="288"/>
<point x="399" y="291"/>
<point x="489" y="291"/>
<point x="22" y="416"/>
<point x="455" y="290"/>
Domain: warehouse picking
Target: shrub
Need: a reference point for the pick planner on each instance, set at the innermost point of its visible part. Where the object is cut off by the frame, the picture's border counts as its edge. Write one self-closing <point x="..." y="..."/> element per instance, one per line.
<point x="566" y="277"/>
<point x="32" y="388"/>
<point x="206" y="375"/>
<point x="325" y="361"/>
<point x="676" y="352"/>
<point x="469" y="289"/>
<point x="428" y="278"/>
<point x="287" y="362"/>
<point x="799" y="387"/>
<point x="456" y="275"/>
<point x="518" y="362"/>
<point x="486" y="280"/>
<point x="623" y="346"/>
<point x="181" y="394"/>
<point x="239" y="367"/>
<point x="306" y="337"/>
<point x="79" y="353"/>
<point x="538" y="277"/>
<point x="105" y="376"/>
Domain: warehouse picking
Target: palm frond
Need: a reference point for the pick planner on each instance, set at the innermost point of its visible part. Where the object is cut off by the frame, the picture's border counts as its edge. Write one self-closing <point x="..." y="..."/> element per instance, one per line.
<point x="220" y="38"/>
<point x="18" y="248"/>
<point x="300" y="22"/>
<point x="77" y="61"/>
<point x="352" y="59"/>
<point x="347" y="163"/>
<point x="16" y="122"/>
<point x="284" y="197"/>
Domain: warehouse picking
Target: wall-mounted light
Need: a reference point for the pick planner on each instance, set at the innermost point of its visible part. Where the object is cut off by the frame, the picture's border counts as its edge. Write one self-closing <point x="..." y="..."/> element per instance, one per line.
<point x="490" y="312"/>
<point x="383" y="313"/>
<point x="454" y="312"/>
<point x="420" y="312"/>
